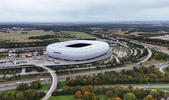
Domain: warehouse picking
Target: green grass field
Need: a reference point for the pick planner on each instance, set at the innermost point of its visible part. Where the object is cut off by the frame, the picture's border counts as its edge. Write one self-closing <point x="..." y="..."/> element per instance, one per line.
<point x="72" y="97"/>
<point x="18" y="37"/>
<point x="63" y="84"/>
<point x="153" y="61"/>
<point x="79" y="35"/>
<point x="64" y="97"/>
<point x="165" y="70"/>
<point x="44" y="87"/>
<point x="118" y="31"/>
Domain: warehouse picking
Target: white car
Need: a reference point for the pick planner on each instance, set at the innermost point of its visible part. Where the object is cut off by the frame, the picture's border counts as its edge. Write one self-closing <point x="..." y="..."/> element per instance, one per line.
<point x="42" y="79"/>
<point x="56" y="62"/>
<point x="18" y="82"/>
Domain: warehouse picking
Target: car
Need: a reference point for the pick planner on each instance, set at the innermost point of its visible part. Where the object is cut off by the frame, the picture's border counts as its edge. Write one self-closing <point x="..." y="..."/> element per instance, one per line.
<point x="39" y="58"/>
<point x="34" y="57"/>
<point x="167" y="62"/>
<point x="49" y="60"/>
<point x="18" y="82"/>
<point x="56" y="62"/>
<point x="42" y="79"/>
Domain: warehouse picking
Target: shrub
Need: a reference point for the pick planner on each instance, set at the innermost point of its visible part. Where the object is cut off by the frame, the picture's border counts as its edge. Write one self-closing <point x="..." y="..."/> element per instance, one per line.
<point x="42" y="94"/>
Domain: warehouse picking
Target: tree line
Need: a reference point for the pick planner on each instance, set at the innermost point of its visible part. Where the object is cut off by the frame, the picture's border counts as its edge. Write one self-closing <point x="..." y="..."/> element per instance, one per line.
<point x="51" y="36"/>
<point x="22" y="95"/>
<point x="136" y="75"/>
<point x="112" y="93"/>
<point x="4" y="44"/>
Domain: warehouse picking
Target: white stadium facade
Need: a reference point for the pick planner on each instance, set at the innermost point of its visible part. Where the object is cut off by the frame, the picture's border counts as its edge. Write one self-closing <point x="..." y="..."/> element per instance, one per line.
<point x="77" y="50"/>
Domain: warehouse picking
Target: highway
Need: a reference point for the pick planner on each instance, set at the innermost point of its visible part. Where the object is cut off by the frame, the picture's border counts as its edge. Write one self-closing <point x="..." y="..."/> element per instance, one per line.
<point x="53" y="74"/>
<point x="55" y="79"/>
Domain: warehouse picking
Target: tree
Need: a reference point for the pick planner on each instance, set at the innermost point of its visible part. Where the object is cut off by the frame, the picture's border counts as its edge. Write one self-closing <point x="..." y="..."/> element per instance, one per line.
<point x="17" y="55"/>
<point x="14" y="72"/>
<point x="109" y="93"/>
<point x="130" y="87"/>
<point x="92" y="96"/>
<point x="85" y="97"/>
<point x="118" y="98"/>
<point x="12" y="97"/>
<point x="6" y="96"/>
<point x="100" y="90"/>
<point x="90" y="80"/>
<point x="67" y="78"/>
<point x="78" y="94"/>
<point x="22" y="87"/>
<point x="36" y="84"/>
<point x="149" y="97"/>
<point x="129" y="96"/>
<point x="84" y="81"/>
<point x="20" y="96"/>
<point x="126" y="89"/>
<point x="87" y="93"/>
<point x="90" y="87"/>
<point x="129" y="78"/>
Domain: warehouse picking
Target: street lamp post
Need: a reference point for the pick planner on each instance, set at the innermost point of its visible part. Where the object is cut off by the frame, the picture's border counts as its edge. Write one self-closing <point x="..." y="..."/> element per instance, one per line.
<point x="70" y="74"/>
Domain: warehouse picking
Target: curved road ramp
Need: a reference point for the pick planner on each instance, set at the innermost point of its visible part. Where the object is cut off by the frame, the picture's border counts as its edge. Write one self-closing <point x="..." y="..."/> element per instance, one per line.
<point x="54" y="81"/>
<point x="53" y="74"/>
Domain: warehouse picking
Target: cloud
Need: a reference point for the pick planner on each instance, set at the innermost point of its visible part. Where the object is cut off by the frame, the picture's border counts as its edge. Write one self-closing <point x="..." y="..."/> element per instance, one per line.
<point x="83" y="10"/>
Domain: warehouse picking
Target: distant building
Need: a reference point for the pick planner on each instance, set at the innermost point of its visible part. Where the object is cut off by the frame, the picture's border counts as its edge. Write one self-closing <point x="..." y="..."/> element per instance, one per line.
<point x="27" y="55"/>
<point x="12" y="55"/>
<point x="4" y="50"/>
<point x="35" y="53"/>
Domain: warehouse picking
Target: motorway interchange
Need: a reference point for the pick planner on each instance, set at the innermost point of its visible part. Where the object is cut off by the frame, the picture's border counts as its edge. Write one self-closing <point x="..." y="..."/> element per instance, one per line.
<point x="45" y="61"/>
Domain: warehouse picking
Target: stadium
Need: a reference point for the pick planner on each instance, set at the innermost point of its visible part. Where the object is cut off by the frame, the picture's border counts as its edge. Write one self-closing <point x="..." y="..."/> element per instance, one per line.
<point x="77" y="50"/>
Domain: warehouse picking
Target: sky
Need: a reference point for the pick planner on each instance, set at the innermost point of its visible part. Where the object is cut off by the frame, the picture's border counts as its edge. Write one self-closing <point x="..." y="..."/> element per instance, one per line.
<point x="83" y="10"/>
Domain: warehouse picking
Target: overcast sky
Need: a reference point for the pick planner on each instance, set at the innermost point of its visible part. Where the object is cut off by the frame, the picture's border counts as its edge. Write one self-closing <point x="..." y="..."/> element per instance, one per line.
<point x="83" y="10"/>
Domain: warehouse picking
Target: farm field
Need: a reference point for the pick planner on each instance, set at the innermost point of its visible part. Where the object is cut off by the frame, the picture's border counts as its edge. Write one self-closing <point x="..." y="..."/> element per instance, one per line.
<point x="118" y="31"/>
<point x="18" y="37"/>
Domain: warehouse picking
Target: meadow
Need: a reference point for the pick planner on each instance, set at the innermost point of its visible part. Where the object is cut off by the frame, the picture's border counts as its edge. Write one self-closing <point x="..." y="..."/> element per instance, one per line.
<point x="18" y="37"/>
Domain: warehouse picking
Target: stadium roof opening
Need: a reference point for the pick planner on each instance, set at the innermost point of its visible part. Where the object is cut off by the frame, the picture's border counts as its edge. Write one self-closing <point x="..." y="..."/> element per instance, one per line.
<point x="78" y="45"/>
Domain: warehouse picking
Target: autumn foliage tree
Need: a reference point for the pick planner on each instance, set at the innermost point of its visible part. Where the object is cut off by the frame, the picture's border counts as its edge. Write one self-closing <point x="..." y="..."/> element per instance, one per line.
<point x="78" y="94"/>
<point x="36" y="84"/>
<point x="87" y="93"/>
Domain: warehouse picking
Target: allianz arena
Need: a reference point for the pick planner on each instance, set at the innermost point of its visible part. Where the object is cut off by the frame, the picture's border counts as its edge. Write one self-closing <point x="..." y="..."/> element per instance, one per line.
<point x="77" y="49"/>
